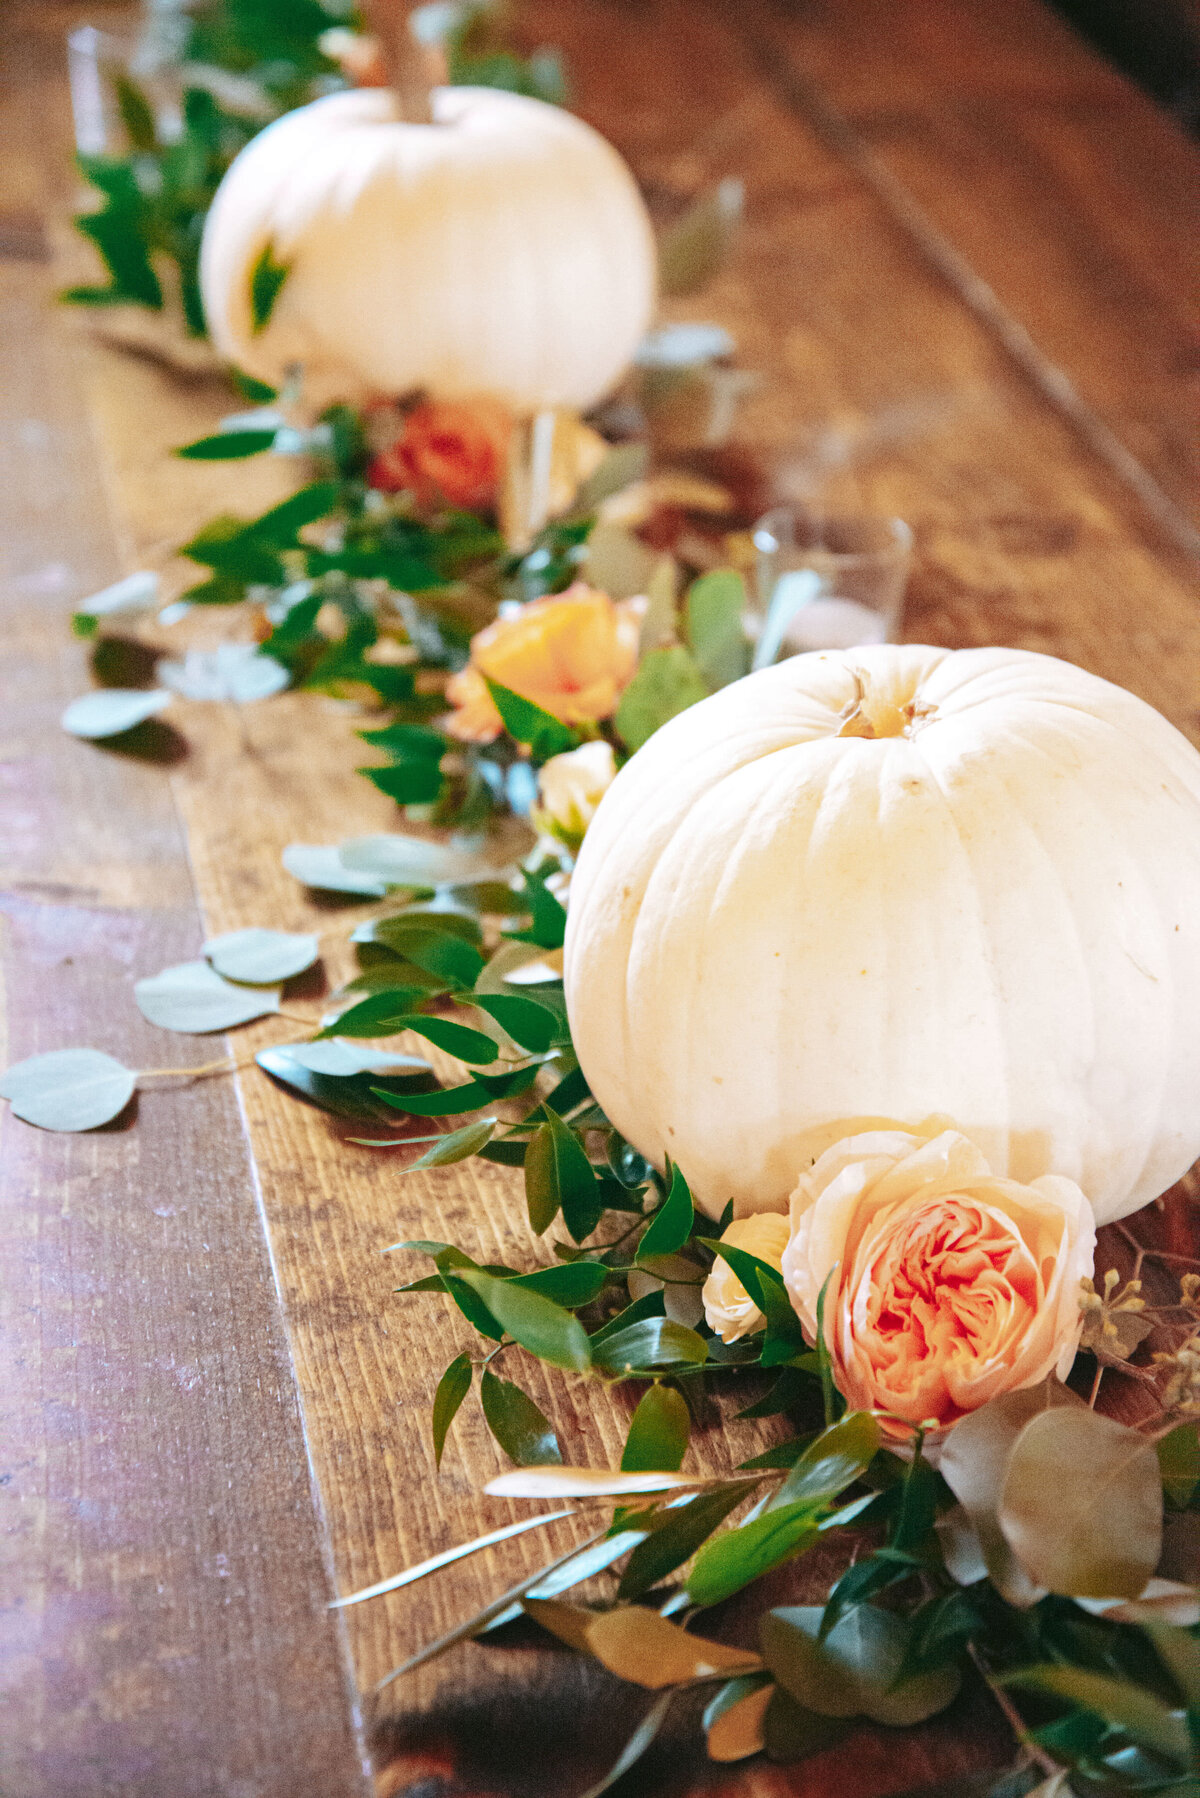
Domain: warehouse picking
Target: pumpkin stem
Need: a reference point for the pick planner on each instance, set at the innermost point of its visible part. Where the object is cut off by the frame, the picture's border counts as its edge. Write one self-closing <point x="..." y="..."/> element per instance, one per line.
<point x="409" y="65"/>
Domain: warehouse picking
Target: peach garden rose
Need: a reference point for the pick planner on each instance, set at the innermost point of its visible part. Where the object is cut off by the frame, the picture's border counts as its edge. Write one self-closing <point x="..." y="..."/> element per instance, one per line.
<point x="572" y="654"/>
<point x="949" y="1285"/>
<point x="450" y="452"/>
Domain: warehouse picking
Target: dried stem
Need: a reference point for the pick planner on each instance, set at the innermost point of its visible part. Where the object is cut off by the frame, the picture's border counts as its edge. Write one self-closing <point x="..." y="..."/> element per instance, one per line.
<point x="409" y="72"/>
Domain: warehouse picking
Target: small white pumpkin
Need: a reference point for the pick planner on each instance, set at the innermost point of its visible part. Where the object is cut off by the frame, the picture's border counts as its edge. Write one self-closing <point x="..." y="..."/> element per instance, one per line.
<point x="503" y="249"/>
<point x="889" y="883"/>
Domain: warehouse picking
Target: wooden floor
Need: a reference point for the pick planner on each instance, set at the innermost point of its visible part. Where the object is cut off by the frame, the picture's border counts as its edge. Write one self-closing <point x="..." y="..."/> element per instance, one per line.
<point x="969" y="280"/>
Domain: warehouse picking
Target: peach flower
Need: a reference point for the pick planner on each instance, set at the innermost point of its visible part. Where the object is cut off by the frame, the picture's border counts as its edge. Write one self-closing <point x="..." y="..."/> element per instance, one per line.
<point x="450" y="452"/>
<point x="728" y="1307"/>
<point x="572" y="655"/>
<point x="949" y="1286"/>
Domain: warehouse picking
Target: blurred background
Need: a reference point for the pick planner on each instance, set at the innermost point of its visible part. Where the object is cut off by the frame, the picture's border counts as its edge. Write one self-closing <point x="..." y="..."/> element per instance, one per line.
<point x="1157" y="42"/>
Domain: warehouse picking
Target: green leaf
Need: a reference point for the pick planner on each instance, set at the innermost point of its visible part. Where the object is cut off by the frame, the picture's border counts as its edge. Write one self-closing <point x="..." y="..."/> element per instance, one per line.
<point x="528" y="723"/>
<point x="676" y="1534"/>
<point x="1131" y="1708"/>
<point x="453" y="1388"/>
<point x="469" y="1045"/>
<point x="559" y="1174"/>
<point x="730" y="1561"/>
<point x="654" y="1345"/>
<point x="1179" y="1464"/>
<point x="658" y="1434"/>
<point x="266" y="282"/>
<point x="228" y="446"/>
<point x="194" y="999"/>
<point x="538" y="1324"/>
<point x="459" y="1145"/>
<point x="414" y="782"/>
<point x="136" y="115"/>
<point x="408" y="742"/>
<point x="623" y="464"/>
<point x="549" y="927"/>
<point x="715" y="632"/>
<point x="667" y="682"/>
<point x="111" y="711"/>
<point x="377" y="1015"/>
<point x="571" y="1283"/>
<point x="533" y="1026"/>
<point x="522" y="1431"/>
<point x="649" y="1306"/>
<point x="447" y="1103"/>
<point x="671" y="1224"/>
<point x="457" y="962"/>
<point x="1081" y="1504"/>
<point x="259" y="957"/>
<point x="68" y="1089"/>
<point x="840" y="1455"/>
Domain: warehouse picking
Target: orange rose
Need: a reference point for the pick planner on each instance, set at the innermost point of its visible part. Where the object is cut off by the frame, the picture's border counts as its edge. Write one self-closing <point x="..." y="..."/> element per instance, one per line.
<point x="449" y="453"/>
<point x="949" y="1286"/>
<point x="572" y="655"/>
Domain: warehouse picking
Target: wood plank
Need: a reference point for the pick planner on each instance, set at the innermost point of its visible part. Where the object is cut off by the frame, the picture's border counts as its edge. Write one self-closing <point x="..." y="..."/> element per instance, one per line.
<point x="163" y="1621"/>
<point x="1024" y="537"/>
<point x="1067" y="191"/>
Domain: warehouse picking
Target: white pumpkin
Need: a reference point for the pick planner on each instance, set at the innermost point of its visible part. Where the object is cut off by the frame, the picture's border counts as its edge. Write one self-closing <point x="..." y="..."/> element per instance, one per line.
<point x="503" y="249"/>
<point x="883" y="884"/>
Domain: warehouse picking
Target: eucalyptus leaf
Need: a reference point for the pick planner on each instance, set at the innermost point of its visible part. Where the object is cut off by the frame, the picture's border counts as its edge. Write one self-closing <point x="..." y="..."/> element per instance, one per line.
<point x="259" y="957"/>
<point x="1179" y="1463"/>
<point x="400" y="860"/>
<point x="791" y="1732"/>
<point x="667" y="682"/>
<point x="194" y="999"/>
<point x="536" y="1322"/>
<point x="68" y="1089"/>
<point x="521" y="1429"/>
<point x="658" y="1432"/>
<point x="110" y="711"/>
<point x="1081" y="1504"/>
<point x="716" y="634"/>
<point x="129" y="598"/>
<point x="622" y="465"/>
<point x="233" y="673"/>
<point x="734" y="1720"/>
<point x="320" y="866"/>
<point x="854" y="1670"/>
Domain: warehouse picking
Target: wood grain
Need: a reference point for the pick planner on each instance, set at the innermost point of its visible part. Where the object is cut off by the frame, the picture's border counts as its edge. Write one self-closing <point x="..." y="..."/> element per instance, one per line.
<point x="163" y="1621"/>
<point x="880" y="388"/>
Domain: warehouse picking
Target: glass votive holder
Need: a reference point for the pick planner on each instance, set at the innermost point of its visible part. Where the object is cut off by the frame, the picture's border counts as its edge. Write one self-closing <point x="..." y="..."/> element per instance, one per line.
<point x="827" y="581"/>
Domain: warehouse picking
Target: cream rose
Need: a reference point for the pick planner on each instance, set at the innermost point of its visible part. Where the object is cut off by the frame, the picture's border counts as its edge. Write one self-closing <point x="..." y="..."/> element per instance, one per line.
<point x="949" y="1286"/>
<point x="570" y="787"/>
<point x="728" y="1307"/>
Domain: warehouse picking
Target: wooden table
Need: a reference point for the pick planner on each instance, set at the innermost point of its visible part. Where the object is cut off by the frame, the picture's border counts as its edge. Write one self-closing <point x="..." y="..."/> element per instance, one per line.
<point x="969" y="279"/>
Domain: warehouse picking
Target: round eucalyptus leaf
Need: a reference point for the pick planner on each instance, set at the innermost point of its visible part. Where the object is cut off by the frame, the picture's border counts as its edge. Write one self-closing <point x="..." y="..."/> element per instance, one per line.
<point x="194" y="999"/>
<point x="411" y="861"/>
<point x="68" y="1089"/>
<point x="235" y="672"/>
<point x="110" y="711"/>
<point x="319" y="865"/>
<point x="339" y="1059"/>
<point x="258" y="957"/>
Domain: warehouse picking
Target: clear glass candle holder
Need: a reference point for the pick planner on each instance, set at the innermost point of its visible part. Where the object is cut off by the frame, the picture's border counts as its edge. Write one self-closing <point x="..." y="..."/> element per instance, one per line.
<point x="826" y="581"/>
